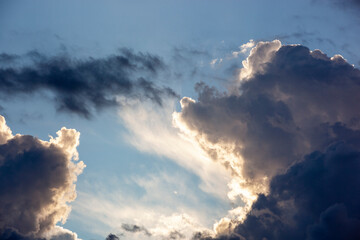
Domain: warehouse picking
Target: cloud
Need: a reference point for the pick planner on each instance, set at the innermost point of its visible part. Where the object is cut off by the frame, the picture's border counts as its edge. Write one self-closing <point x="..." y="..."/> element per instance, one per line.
<point x="37" y="181"/>
<point x="347" y="3"/>
<point x="112" y="237"/>
<point x="8" y="58"/>
<point x="135" y="229"/>
<point x="146" y="207"/>
<point x="215" y="61"/>
<point x="174" y="235"/>
<point x="83" y="86"/>
<point x="60" y="233"/>
<point x="315" y="199"/>
<point x="244" y="48"/>
<point x="151" y="129"/>
<point x="286" y="103"/>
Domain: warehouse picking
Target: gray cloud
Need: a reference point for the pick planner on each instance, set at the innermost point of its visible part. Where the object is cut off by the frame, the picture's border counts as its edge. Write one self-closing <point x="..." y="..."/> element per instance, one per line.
<point x="82" y="86"/>
<point x="131" y="228"/>
<point x="280" y="108"/>
<point x="315" y="199"/>
<point x="36" y="184"/>
<point x="135" y="229"/>
<point x="8" y="58"/>
<point x="174" y="235"/>
<point x="112" y="237"/>
<point x="292" y="117"/>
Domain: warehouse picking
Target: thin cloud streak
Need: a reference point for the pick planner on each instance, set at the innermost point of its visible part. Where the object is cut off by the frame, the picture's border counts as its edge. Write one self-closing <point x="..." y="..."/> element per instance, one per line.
<point x="82" y="86"/>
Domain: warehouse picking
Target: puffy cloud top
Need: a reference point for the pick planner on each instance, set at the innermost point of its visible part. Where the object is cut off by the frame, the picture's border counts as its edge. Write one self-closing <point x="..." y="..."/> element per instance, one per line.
<point x="290" y="119"/>
<point x="37" y="181"/>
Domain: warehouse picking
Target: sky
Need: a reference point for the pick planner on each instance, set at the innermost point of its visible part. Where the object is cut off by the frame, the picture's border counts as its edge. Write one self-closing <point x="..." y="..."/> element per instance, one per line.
<point x="169" y="120"/>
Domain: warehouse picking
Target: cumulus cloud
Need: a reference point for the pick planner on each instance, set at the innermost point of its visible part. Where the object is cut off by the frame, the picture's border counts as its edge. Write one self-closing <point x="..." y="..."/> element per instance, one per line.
<point x="258" y="57"/>
<point x="287" y="102"/>
<point x="83" y="86"/>
<point x="315" y="199"/>
<point x="37" y="181"/>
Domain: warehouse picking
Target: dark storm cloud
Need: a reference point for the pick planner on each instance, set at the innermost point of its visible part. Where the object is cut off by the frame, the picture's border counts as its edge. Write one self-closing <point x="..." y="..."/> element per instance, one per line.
<point x="82" y="86"/>
<point x="26" y="158"/>
<point x="36" y="183"/>
<point x="316" y="199"/>
<point x="295" y="111"/>
<point x="9" y="234"/>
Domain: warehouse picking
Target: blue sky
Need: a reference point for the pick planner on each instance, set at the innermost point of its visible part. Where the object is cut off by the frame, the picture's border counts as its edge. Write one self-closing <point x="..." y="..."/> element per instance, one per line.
<point x="140" y="169"/>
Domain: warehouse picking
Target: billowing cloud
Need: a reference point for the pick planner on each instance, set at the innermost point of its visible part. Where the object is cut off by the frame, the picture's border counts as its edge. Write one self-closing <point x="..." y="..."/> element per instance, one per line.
<point x="83" y="86"/>
<point x="37" y="181"/>
<point x="287" y="102"/>
<point x="315" y="199"/>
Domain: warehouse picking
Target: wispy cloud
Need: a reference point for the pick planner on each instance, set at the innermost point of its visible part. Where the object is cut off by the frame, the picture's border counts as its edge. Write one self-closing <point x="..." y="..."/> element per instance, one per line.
<point x="155" y="206"/>
<point x="82" y="86"/>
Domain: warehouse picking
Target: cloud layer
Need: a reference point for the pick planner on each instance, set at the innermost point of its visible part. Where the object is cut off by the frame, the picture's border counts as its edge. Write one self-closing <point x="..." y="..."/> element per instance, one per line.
<point x="286" y="103"/>
<point x="37" y="181"/>
<point x="82" y="86"/>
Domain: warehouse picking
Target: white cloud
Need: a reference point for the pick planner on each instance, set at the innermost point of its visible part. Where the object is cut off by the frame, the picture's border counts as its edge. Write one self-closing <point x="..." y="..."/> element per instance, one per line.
<point x="5" y="131"/>
<point x="157" y="209"/>
<point x="151" y="130"/>
<point x="215" y="61"/>
<point x="244" y="48"/>
<point x="258" y="57"/>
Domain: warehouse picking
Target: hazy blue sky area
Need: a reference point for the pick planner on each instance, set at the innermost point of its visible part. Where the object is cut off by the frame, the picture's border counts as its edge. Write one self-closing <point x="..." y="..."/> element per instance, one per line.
<point x="116" y="72"/>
